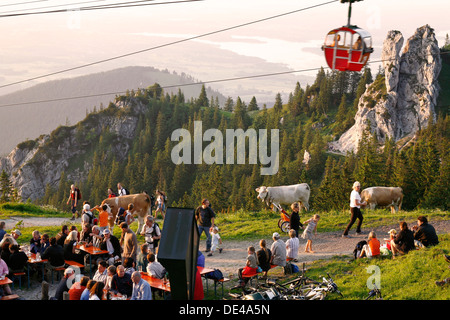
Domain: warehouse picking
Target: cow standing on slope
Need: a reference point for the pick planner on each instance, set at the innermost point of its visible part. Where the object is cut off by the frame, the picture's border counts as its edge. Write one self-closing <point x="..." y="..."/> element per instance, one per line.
<point x="383" y="197"/>
<point x="285" y="194"/>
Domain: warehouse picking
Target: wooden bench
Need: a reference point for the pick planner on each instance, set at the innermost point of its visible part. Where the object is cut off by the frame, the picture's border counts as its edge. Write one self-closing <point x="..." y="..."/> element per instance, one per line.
<point x="18" y="275"/>
<point x="221" y="282"/>
<point x="74" y="263"/>
<point x="57" y="270"/>
<point x="10" y="297"/>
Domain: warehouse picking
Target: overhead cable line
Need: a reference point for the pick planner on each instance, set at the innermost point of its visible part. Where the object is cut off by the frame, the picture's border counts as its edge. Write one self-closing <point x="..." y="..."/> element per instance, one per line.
<point x="169" y="44"/>
<point x="106" y="6"/>
<point x="189" y="84"/>
<point x="21" y="3"/>
<point x="52" y="6"/>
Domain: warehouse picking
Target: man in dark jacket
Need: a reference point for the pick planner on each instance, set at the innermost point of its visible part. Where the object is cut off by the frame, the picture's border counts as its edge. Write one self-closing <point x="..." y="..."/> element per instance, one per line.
<point x="121" y="282"/>
<point x="205" y="220"/>
<point x="425" y="232"/>
<point x="17" y="259"/>
<point x="404" y="241"/>
<point x="65" y="284"/>
<point x="55" y="256"/>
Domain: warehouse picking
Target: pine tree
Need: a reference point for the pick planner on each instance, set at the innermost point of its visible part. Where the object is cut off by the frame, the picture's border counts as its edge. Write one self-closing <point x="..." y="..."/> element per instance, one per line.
<point x="202" y="100"/>
<point x="278" y="106"/>
<point x="229" y="103"/>
<point x="5" y="187"/>
<point x="253" y="105"/>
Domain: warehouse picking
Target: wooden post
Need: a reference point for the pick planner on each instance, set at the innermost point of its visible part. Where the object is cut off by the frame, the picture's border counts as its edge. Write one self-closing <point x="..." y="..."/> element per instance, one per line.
<point x="44" y="295"/>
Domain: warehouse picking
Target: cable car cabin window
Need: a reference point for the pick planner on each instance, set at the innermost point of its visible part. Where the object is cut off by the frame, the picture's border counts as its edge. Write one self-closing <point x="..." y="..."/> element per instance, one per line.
<point x="358" y="45"/>
<point x="368" y="42"/>
<point x="329" y="40"/>
<point x="347" y="43"/>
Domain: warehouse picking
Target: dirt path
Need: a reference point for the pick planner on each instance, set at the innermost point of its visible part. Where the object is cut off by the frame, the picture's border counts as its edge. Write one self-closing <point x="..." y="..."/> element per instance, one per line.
<point x="326" y="245"/>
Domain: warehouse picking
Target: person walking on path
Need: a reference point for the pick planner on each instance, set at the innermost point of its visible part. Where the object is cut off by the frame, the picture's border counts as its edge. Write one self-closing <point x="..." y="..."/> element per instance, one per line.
<point x="73" y="199"/>
<point x="355" y="205"/>
<point x="205" y="220"/>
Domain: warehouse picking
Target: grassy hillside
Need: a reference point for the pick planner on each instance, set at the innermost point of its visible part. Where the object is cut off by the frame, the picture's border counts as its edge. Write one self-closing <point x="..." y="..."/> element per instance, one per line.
<point x="410" y="277"/>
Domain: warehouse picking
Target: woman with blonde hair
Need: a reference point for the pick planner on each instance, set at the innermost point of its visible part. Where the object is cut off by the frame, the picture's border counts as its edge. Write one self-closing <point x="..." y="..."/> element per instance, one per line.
<point x="70" y="248"/>
<point x="264" y="254"/>
<point x="372" y="248"/>
<point x="355" y="205"/>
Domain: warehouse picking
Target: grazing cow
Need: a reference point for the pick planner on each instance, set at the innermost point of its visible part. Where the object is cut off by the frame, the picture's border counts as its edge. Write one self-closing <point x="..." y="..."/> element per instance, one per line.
<point x="140" y="201"/>
<point x="383" y="197"/>
<point x="285" y="194"/>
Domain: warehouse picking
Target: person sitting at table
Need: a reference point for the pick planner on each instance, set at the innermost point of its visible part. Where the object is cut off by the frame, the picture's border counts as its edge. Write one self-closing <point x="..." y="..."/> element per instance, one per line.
<point x="111" y="243"/>
<point x="35" y="242"/>
<point x="63" y="285"/>
<point x="86" y="291"/>
<point x="74" y="228"/>
<point x="62" y="235"/>
<point x="96" y="292"/>
<point x="154" y="268"/>
<point x="141" y="288"/>
<point x="200" y="259"/>
<point x="142" y="261"/>
<point x="97" y="236"/>
<point x="45" y="243"/>
<point x="11" y="238"/>
<point x="110" y="271"/>
<point x="77" y="289"/>
<point x="101" y="274"/>
<point x="69" y="248"/>
<point x="121" y="282"/>
<point x="85" y="235"/>
<point x="55" y="256"/>
<point x="3" y="273"/>
<point x="129" y="265"/>
<point x="17" y="260"/>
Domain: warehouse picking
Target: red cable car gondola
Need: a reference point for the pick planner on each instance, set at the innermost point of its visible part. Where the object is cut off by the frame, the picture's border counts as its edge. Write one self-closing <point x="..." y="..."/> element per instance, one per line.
<point x="347" y="48"/>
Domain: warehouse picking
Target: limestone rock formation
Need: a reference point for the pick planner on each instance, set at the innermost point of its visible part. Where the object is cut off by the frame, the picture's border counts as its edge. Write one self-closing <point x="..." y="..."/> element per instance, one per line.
<point x="402" y="101"/>
<point x="36" y="164"/>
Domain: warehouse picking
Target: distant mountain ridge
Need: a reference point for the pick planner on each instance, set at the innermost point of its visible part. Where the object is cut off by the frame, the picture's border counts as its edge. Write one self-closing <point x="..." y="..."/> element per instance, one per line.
<point x="28" y="121"/>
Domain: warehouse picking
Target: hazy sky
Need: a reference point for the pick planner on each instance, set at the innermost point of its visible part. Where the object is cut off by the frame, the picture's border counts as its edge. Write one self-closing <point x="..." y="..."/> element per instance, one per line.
<point x="36" y="45"/>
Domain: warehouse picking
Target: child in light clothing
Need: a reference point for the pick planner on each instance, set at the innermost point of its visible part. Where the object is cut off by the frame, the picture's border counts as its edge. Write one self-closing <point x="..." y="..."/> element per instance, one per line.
<point x="292" y="245"/>
<point x="216" y="241"/>
<point x="308" y="233"/>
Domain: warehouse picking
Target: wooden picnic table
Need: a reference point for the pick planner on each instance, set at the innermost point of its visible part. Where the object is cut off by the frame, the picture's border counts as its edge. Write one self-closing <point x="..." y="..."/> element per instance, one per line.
<point x="32" y="261"/>
<point x="156" y="282"/>
<point x="5" y="281"/>
<point x="91" y="250"/>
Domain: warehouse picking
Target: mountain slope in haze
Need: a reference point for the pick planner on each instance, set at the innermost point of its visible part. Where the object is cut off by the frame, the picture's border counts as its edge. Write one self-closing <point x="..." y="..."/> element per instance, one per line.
<point x="28" y="121"/>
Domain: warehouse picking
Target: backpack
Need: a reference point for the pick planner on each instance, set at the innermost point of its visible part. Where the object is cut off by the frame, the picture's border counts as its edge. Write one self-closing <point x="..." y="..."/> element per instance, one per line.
<point x="120" y="216"/>
<point x="358" y="248"/>
<point x="78" y="193"/>
<point x="155" y="242"/>
<point x="125" y="191"/>
<point x="215" y="275"/>
<point x="295" y="268"/>
<point x="90" y="215"/>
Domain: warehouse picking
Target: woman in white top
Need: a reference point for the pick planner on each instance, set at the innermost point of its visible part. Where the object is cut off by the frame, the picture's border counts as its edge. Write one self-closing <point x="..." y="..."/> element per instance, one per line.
<point x="355" y="205"/>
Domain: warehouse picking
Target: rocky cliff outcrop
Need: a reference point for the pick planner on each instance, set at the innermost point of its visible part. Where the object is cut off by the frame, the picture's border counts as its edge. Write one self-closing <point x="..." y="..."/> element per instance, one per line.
<point x="35" y="164"/>
<point x="402" y="101"/>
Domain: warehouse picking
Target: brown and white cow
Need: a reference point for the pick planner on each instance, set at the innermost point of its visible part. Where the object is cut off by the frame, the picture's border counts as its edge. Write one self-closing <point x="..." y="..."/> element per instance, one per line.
<point x="140" y="201"/>
<point x="383" y="197"/>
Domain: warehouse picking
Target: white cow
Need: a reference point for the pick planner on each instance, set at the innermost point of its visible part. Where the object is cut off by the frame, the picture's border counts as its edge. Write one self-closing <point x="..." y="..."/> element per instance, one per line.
<point x="285" y="194"/>
<point x="383" y="197"/>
